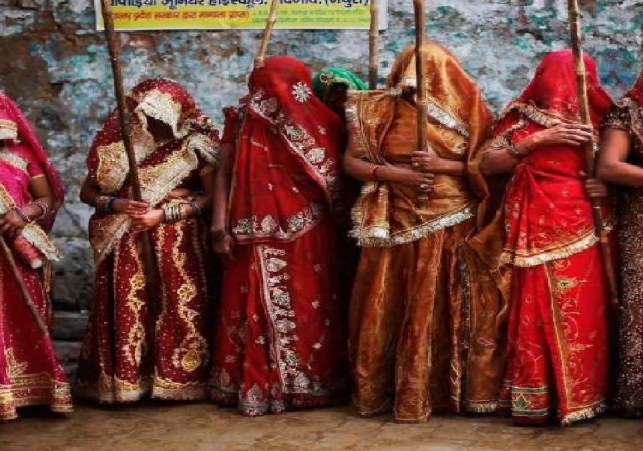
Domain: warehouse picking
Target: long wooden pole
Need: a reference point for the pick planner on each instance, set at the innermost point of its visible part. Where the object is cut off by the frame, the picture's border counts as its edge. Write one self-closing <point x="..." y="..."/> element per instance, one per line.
<point x="149" y="259"/>
<point x="373" y="45"/>
<point x="24" y="293"/>
<point x="267" y="32"/>
<point x="419" y="10"/>
<point x="590" y="155"/>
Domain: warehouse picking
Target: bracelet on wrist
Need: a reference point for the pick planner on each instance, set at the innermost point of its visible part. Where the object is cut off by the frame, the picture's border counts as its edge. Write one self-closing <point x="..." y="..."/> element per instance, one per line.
<point x="44" y="209"/>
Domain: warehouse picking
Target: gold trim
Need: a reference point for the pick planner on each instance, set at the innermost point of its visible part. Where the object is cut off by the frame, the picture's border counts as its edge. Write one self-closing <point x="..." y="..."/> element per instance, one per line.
<point x="380" y="235"/>
<point x="8" y="130"/>
<point x="585" y="241"/>
<point x="583" y="414"/>
<point x="14" y="160"/>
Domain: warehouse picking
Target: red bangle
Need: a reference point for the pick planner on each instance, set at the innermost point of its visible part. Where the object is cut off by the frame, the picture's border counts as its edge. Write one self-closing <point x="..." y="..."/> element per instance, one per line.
<point x="373" y="173"/>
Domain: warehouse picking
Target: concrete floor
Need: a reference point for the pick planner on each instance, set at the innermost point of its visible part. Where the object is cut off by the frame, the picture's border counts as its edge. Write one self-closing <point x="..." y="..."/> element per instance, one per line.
<point x="203" y="427"/>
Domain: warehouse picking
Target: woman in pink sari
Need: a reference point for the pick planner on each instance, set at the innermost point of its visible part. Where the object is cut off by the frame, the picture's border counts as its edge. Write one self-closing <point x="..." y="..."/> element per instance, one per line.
<point x="30" y="192"/>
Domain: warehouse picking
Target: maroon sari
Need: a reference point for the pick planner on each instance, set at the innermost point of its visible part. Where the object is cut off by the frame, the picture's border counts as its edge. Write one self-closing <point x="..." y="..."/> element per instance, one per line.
<point x="136" y="346"/>
<point x="29" y="371"/>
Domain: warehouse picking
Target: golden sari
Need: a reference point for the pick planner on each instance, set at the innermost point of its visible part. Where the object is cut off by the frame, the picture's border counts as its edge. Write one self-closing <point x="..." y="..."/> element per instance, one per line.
<point x="423" y="309"/>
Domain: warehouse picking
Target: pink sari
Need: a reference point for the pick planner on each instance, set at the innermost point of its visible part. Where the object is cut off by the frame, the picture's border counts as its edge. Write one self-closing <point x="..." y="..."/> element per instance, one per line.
<point x="29" y="371"/>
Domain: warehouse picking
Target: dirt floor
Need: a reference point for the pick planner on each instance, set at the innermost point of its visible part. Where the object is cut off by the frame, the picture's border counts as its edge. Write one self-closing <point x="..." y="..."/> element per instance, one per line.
<point x="203" y="427"/>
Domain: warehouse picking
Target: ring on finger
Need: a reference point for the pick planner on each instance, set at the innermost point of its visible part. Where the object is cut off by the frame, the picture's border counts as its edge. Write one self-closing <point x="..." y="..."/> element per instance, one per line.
<point x="415" y="164"/>
<point x="424" y="186"/>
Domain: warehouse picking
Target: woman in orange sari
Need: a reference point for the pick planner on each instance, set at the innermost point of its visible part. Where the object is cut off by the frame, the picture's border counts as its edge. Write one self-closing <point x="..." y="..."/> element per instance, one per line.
<point x="557" y="323"/>
<point x="423" y="309"/>
<point x="30" y="194"/>
<point x="137" y="346"/>
<point x="280" y="341"/>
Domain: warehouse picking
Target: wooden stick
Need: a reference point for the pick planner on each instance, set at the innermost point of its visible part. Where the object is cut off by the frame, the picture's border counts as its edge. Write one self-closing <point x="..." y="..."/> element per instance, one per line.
<point x="26" y="297"/>
<point x="590" y="155"/>
<point x="149" y="259"/>
<point x="419" y="10"/>
<point x="267" y="32"/>
<point x="373" y="45"/>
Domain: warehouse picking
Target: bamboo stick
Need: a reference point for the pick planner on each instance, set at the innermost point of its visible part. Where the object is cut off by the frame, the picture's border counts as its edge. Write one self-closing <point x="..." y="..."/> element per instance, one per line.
<point x="373" y="45"/>
<point x="590" y="155"/>
<point x="149" y="259"/>
<point x="419" y="9"/>
<point x="24" y="293"/>
<point x="267" y="32"/>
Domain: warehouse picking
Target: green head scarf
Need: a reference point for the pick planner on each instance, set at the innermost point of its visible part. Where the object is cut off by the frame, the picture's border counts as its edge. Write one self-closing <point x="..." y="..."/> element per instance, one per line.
<point x="326" y="77"/>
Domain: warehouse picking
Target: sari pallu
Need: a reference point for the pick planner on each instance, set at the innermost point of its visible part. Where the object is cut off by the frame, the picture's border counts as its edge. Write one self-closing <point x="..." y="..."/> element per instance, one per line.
<point x="557" y="348"/>
<point x="30" y="374"/>
<point x="423" y="309"/>
<point x="136" y="346"/>
<point x="280" y="341"/>
<point x="627" y="115"/>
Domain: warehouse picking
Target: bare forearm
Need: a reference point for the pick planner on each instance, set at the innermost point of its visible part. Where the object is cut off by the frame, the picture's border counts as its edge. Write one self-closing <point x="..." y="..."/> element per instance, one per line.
<point x="450" y="167"/>
<point x="501" y="160"/>
<point x="621" y="173"/>
<point x="368" y="172"/>
<point x="89" y="193"/>
<point x="220" y="198"/>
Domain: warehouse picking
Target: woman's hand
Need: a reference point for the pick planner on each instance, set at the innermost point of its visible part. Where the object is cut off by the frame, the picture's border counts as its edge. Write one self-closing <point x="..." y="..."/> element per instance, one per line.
<point x="147" y="220"/>
<point x="595" y="188"/>
<point x="565" y="134"/>
<point x="130" y="207"/>
<point x="426" y="162"/>
<point x="223" y="245"/>
<point x="421" y="181"/>
<point x="11" y="224"/>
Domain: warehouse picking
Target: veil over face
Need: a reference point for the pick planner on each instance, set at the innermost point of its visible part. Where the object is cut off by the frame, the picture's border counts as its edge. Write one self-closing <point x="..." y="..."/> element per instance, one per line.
<point x="287" y="155"/>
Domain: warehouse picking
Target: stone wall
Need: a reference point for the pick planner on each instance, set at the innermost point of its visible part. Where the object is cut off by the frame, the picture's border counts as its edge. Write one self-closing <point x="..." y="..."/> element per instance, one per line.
<point x="54" y="64"/>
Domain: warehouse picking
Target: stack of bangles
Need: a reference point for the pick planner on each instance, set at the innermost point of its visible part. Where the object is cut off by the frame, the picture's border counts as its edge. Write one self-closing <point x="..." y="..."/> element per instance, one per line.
<point x="372" y="173"/>
<point x="175" y="213"/>
<point x="104" y="205"/>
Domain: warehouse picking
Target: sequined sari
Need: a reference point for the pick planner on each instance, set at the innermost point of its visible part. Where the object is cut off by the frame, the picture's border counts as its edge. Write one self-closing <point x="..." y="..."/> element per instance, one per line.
<point x="280" y="341"/>
<point x="557" y="349"/>
<point x="423" y="308"/>
<point x="136" y="346"/>
<point x="627" y="115"/>
<point x="30" y="374"/>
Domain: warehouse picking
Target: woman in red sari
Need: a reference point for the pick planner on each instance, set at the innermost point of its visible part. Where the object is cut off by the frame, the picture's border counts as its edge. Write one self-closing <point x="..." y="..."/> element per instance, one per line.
<point x="30" y="193"/>
<point x="137" y="346"/>
<point x="280" y="341"/>
<point x="557" y="323"/>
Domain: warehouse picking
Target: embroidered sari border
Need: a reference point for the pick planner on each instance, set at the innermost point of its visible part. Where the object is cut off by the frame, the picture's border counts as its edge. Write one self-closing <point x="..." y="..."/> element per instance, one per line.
<point x="380" y="235"/>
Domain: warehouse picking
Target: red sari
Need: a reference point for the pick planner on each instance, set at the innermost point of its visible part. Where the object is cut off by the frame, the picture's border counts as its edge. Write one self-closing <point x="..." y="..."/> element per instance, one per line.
<point x="136" y="346"/>
<point x="29" y="371"/>
<point x="280" y="340"/>
<point x="558" y="322"/>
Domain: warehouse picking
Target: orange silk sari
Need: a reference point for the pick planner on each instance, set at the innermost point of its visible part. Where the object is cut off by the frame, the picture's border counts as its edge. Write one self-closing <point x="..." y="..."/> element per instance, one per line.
<point x="423" y="308"/>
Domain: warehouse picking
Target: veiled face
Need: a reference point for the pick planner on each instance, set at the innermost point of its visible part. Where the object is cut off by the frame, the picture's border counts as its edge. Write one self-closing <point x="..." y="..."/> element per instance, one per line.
<point x="159" y="130"/>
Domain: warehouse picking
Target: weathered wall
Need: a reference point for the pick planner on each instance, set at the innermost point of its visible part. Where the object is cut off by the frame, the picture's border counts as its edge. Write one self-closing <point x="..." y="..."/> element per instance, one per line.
<point x="55" y="65"/>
